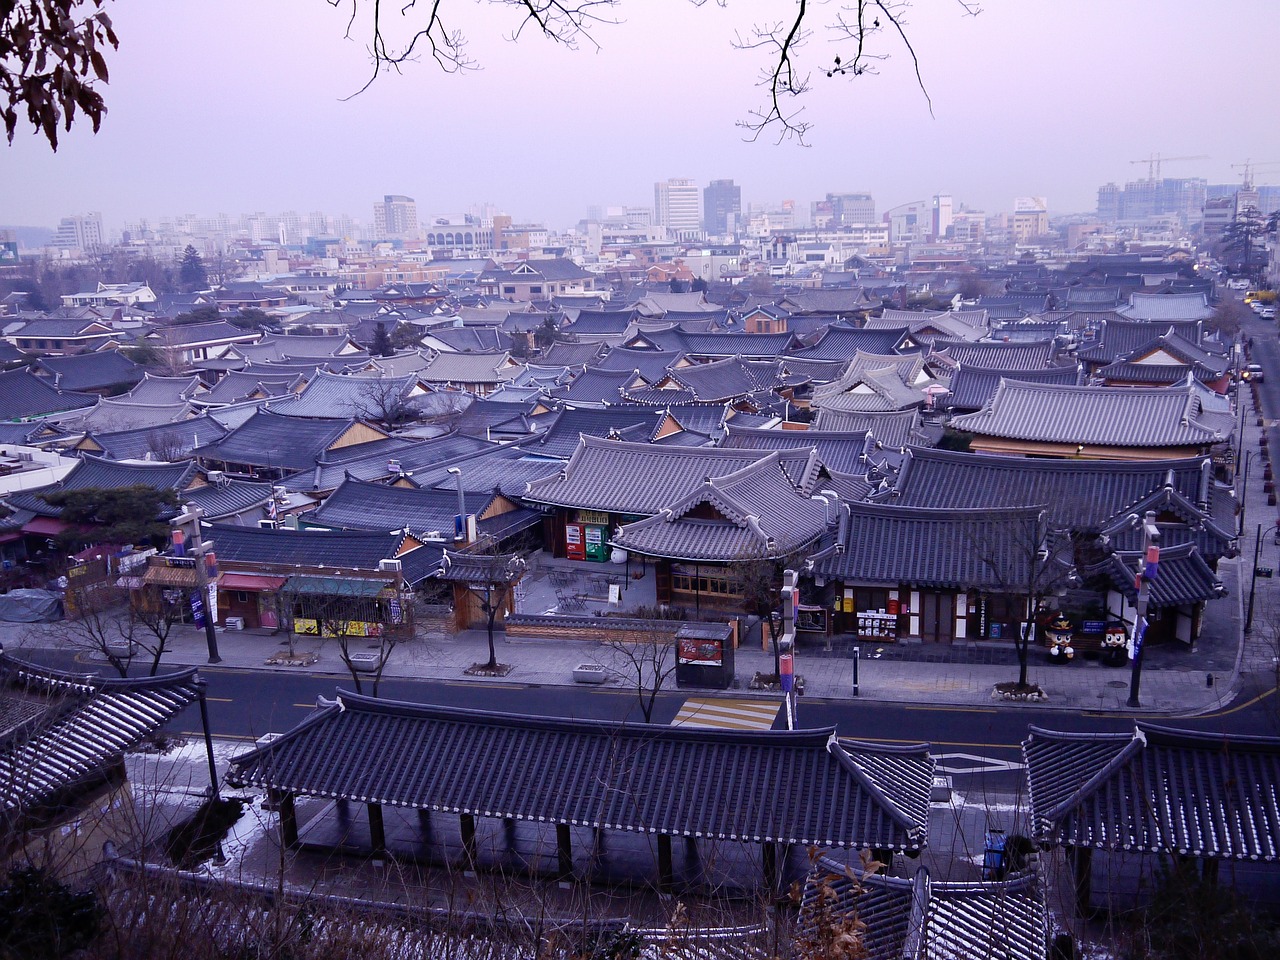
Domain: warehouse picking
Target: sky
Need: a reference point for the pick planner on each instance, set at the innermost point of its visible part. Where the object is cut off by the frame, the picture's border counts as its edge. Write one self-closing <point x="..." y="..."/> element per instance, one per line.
<point x="243" y="105"/>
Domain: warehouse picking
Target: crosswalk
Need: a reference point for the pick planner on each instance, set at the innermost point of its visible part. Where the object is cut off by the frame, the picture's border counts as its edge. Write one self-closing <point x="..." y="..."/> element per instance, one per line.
<point x="714" y="713"/>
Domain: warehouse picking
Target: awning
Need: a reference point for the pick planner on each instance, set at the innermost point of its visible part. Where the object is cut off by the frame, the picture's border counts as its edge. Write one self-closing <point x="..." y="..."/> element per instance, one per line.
<point x="45" y="526"/>
<point x="336" y="586"/>
<point x="170" y="576"/>
<point x="249" y="581"/>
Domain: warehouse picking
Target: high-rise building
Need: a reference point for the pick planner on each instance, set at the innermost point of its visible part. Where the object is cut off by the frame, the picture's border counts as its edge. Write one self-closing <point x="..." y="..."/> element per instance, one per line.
<point x="675" y="204"/>
<point x="843" y="210"/>
<point x="721" y="207"/>
<point x="79" y="232"/>
<point x="941" y="215"/>
<point x="1183" y="197"/>
<point x="396" y="218"/>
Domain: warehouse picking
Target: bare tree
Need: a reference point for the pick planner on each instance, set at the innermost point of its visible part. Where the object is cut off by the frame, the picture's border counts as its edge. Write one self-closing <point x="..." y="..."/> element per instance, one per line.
<point x="644" y="663"/>
<point x="488" y="577"/>
<point x="116" y="625"/>
<point x="1018" y="550"/>
<point x="386" y="402"/>
<point x="862" y="34"/>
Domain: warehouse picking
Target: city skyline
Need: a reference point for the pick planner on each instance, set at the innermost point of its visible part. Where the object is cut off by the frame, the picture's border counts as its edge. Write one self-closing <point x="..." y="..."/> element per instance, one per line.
<point x="1027" y="99"/>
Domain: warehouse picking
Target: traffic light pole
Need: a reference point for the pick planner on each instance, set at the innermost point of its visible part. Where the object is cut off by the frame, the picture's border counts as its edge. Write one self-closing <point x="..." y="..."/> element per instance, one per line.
<point x="1148" y="570"/>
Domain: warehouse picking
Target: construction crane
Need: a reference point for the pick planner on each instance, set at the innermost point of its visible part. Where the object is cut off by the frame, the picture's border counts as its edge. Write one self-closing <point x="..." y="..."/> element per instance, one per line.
<point x="1249" y="166"/>
<point x="1153" y="163"/>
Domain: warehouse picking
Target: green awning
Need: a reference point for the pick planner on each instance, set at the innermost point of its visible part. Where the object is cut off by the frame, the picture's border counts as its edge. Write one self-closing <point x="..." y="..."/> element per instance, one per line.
<point x="334" y="587"/>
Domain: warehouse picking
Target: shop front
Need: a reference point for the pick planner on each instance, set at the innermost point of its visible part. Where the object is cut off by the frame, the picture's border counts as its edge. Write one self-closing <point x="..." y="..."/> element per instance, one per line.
<point x="249" y="600"/>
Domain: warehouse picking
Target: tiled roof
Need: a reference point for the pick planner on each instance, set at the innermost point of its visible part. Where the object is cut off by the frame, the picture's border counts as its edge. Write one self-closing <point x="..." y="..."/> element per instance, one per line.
<point x="463" y="368"/>
<point x="98" y="370"/>
<point x="839" y="451"/>
<point x="935" y="548"/>
<point x="796" y="787"/>
<point x="275" y="347"/>
<point x="725" y="380"/>
<point x="1185" y="578"/>
<point x="1156" y="790"/>
<point x="471" y="339"/>
<point x="271" y="440"/>
<point x="652" y="364"/>
<point x="340" y="397"/>
<point x="237" y="385"/>
<point x="828" y="301"/>
<point x="167" y="441"/>
<point x="643" y="478"/>
<point x="409" y="459"/>
<point x="593" y="385"/>
<point x="78" y="728"/>
<point x="972" y="387"/>
<point x="1011" y="356"/>
<point x="920" y="919"/>
<point x="1078" y="493"/>
<point x="218" y="331"/>
<point x="109" y="415"/>
<point x="161" y="390"/>
<point x="360" y="505"/>
<point x="1167" y="306"/>
<point x="572" y="354"/>
<point x="759" y="514"/>
<point x="755" y="346"/>
<point x="310" y="548"/>
<point x="228" y="498"/>
<point x="560" y="439"/>
<point x="96" y="473"/>
<point x="594" y="322"/>
<point x="843" y="343"/>
<point x="894" y="428"/>
<point x="1093" y="416"/>
<point x="24" y="395"/>
<point x="1119" y="338"/>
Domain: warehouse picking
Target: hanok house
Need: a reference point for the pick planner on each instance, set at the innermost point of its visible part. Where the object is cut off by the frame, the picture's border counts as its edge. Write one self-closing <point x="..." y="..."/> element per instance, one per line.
<point x="1124" y="806"/>
<point x="1110" y="423"/>
<point x="313" y="580"/>
<point x="936" y="575"/>
<point x="63" y="736"/>
<point x="609" y="483"/>
<point x="586" y="800"/>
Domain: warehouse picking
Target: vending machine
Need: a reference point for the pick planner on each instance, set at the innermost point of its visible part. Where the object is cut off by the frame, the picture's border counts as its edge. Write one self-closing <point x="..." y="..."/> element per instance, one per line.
<point x="597" y="543"/>
<point x="575" y="547"/>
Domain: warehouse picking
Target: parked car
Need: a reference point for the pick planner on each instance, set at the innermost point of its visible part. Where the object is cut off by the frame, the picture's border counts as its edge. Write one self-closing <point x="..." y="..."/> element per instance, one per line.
<point x="1267" y="313"/>
<point x="1237" y="283"/>
<point x="1252" y="372"/>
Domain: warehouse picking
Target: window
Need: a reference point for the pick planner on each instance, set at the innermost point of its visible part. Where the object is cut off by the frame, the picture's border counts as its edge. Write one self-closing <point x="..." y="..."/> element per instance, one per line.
<point x="709" y="582"/>
<point x="511" y="289"/>
<point x="535" y="289"/>
<point x="242" y="596"/>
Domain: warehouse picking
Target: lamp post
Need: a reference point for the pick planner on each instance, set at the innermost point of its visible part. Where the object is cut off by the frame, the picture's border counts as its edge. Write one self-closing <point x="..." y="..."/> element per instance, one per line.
<point x="787" y="644"/>
<point x="1148" y="570"/>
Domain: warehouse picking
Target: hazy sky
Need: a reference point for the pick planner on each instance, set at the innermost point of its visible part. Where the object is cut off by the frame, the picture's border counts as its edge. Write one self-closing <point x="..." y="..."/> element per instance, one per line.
<point x="238" y="106"/>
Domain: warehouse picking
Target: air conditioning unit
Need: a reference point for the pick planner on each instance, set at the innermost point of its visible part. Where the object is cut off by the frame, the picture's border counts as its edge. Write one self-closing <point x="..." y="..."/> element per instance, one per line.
<point x="234" y="623"/>
<point x="267" y="524"/>
<point x="393" y="466"/>
<point x="214" y="476"/>
<point x="389" y="566"/>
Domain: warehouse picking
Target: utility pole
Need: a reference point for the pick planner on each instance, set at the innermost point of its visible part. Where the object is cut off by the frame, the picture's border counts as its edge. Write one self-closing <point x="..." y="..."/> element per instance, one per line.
<point x="1148" y="570"/>
<point x="203" y="554"/>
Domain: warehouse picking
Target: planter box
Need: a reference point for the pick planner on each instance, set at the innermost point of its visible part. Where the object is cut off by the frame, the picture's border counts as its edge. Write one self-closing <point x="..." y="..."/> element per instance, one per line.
<point x="590" y="673"/>
<point x="364" y="662"/>
<point x="121" y="648"/>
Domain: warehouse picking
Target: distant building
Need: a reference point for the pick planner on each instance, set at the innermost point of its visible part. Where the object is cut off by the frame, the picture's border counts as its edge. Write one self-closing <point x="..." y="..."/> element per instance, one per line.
<point x="721" y="207"/>
<point x="843" y="210"/>
<point x="396" y="218"/>
<point x="676" y="206"/>
<point x="941" y="216"/>
<point x="79" y="232"/>
<point x="1183" y="197"/>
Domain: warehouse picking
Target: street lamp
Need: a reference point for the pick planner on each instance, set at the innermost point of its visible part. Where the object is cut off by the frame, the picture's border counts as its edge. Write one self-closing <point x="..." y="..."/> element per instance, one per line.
<point x="202" y="550"/>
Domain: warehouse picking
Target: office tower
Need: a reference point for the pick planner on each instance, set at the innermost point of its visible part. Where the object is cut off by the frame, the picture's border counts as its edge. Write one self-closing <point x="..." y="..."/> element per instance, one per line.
<point x="675" y="203"/>
<point x="396" y="218"/>
<point x="721" y="207"/>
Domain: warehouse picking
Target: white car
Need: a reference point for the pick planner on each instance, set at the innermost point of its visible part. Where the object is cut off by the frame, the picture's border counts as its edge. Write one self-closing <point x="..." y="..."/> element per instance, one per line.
<point x="1238" y="283"/>
<point x="1267" y="313"/>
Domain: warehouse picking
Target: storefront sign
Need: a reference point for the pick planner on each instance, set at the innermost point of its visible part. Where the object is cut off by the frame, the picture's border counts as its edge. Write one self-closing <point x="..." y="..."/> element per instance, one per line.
<point x="593" y="516"/>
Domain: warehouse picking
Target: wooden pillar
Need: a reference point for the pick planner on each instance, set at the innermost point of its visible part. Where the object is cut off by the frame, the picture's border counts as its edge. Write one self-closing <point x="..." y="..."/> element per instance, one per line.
<point x="769" y="859"/>
<point x="288" y="818"/>
<point x="377" y="831"/>
<point x="1209" y="869"/>
<point x="665" y="873"/>
<point x="564" y="853"/>
<point x="467" y="825"/>
<point x="1081" y="861"/>
<point x="692" y="866"/>
<point x="509" y="833"/>
<point x="424" y="825"/>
